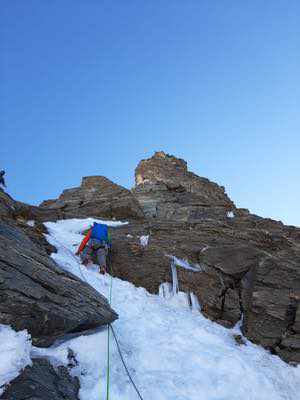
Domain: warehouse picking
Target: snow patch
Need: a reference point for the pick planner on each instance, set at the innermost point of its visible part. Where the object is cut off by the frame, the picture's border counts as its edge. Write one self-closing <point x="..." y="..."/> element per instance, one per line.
<point x="15" y="350"/>
<point x="144" y="240"/>
<point x="31" y="223"/>
<point x="230" y="214"/>
<point x="77" y="225"/>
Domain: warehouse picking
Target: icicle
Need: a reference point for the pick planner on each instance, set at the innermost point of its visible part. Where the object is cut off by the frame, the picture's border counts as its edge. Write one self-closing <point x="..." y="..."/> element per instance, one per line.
<point x="174" y="278"/>
<point x="161" y="291"/>
<point x="195" y="302"/>
<point x="165" y="290"/>
<point x="185" y="264"/>
<point x="144" y="240"/>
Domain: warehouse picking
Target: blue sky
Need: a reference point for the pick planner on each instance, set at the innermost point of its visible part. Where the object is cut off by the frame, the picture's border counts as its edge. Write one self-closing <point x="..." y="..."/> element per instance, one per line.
<point x="90" y="87"/>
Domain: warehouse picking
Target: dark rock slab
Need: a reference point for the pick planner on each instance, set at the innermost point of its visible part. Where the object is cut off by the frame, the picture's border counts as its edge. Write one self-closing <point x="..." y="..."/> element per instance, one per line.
<point x="271" y="303"/>
<point x="234" y="260"/>
<point x="42" y="382"/>
<point x="289" y="348"/>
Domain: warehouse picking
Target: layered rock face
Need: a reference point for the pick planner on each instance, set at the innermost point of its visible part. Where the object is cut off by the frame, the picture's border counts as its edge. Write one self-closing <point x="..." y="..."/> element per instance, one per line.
<point x="166" y="189"/>
<point x="35" y="294"/>
<point x="97" y="196"/>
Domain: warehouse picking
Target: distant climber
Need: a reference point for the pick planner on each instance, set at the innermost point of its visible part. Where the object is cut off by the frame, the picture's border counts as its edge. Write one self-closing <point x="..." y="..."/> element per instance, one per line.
<point x="95" y="246"/>
<point x="2" y="181"/>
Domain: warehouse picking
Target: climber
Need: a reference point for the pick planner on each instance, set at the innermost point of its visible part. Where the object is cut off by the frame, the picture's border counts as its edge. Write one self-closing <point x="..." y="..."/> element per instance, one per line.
<point x="2" y="181"/>
<point x="95" y="246"/>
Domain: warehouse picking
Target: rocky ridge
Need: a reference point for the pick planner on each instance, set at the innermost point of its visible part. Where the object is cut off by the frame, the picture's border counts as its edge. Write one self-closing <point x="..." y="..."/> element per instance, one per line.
<point x="166" y="190"/>
<point x="250" y="265"/>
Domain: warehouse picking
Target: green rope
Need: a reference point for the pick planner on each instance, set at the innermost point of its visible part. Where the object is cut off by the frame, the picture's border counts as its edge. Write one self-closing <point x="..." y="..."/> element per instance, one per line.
<point x="108" y="340"/>
<point x="109" y="327"/>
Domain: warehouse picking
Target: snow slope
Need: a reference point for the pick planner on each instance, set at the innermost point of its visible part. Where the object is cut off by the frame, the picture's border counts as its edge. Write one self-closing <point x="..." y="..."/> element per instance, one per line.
<point x="15" y="350"/>
<point x="173" y="353"/>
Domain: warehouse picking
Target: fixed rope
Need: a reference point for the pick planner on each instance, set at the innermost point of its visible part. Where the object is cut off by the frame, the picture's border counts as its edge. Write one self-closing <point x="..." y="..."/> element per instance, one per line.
<point x="118" y="347"/>
<point x="124" y="364"/>
<point x="108" y="341"/>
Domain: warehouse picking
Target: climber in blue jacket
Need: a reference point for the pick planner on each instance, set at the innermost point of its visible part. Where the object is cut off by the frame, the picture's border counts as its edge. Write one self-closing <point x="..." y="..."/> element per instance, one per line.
<point x="95" y="246"/>
<point x="2" y="181"/>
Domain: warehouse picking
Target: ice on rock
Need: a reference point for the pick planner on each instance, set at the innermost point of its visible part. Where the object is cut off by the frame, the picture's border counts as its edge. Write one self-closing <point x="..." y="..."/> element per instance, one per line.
<point x="185" y="264"/>
<point x="195" y="302"/>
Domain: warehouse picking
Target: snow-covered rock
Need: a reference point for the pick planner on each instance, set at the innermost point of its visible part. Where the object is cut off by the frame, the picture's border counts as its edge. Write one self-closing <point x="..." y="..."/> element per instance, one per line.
<point x="15" y="350"/>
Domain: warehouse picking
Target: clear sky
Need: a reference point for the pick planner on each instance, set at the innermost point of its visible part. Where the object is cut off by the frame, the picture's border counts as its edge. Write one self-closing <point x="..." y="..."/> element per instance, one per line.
<point x="90" y="87"/>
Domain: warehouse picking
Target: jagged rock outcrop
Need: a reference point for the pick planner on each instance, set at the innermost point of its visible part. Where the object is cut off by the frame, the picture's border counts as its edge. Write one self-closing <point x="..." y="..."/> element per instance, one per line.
<point x="42" y="382"/>
<point x="166" y="189"/>
<point x="38" y="296"/>
<point x="97" y="196"/>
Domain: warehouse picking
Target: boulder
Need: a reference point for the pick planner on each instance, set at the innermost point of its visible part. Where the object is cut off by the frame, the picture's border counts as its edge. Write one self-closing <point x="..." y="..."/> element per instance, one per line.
<point x="42" y="382"/>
